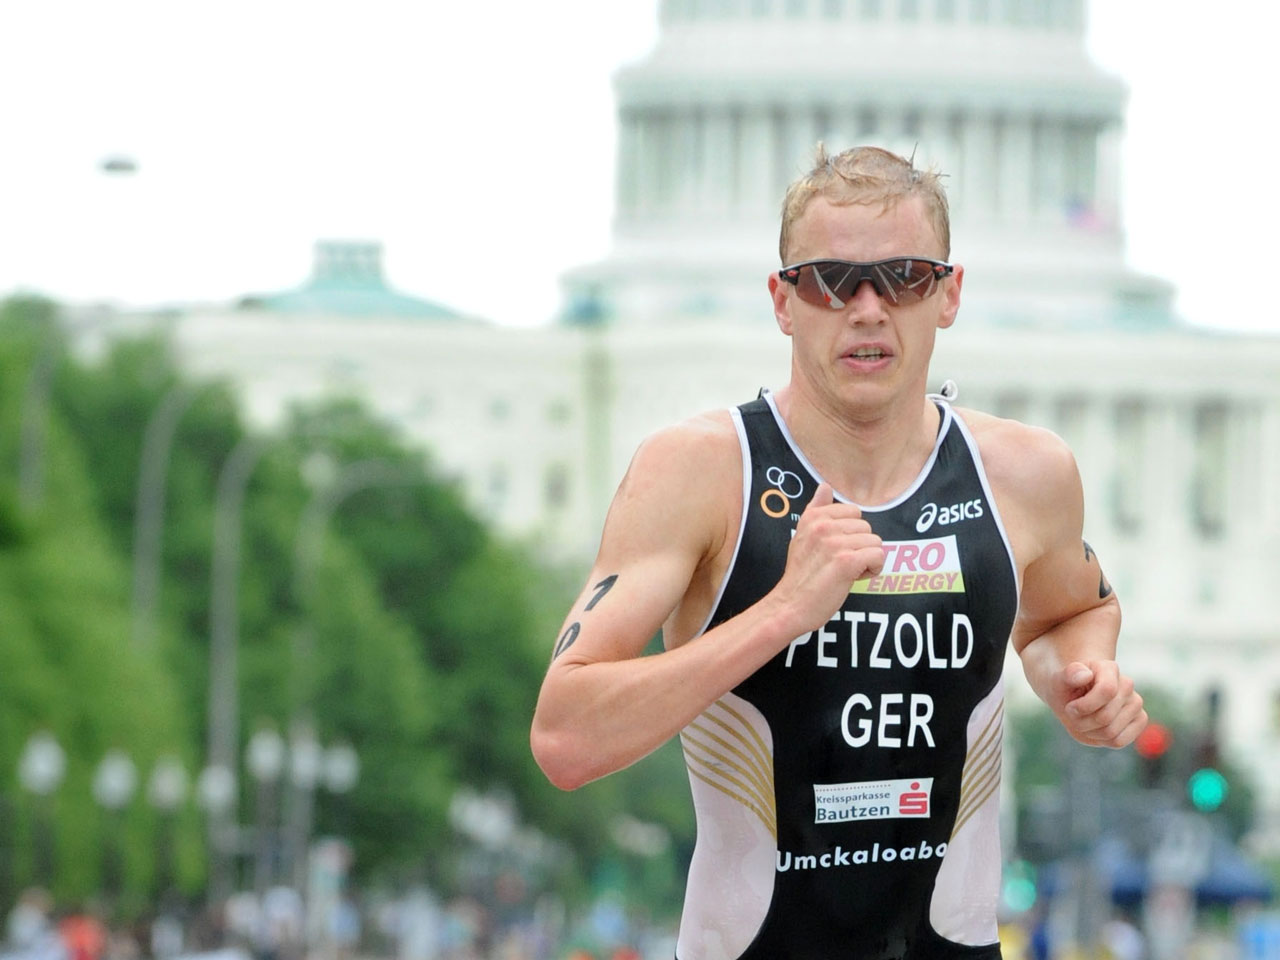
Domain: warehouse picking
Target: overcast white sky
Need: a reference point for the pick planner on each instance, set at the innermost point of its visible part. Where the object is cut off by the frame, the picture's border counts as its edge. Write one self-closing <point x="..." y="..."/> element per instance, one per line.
<point x="456" y="132"/>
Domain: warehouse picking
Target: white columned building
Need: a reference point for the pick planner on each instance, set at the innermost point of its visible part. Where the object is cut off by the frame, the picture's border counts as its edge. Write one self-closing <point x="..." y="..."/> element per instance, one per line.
<point x="1176" y="430"/>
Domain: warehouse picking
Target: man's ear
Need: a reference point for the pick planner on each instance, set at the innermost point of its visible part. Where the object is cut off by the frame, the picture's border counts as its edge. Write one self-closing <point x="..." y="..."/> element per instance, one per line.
<point x="951" y="298"/>
<point x="781" y="303"/>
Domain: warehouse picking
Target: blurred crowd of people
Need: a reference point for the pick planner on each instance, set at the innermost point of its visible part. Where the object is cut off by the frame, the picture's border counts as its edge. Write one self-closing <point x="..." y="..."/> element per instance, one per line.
<point x="280" y="925"/>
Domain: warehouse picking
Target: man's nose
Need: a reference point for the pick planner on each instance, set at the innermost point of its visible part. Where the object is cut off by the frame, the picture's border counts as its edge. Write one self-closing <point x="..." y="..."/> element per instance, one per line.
<point x="865" y="298"/>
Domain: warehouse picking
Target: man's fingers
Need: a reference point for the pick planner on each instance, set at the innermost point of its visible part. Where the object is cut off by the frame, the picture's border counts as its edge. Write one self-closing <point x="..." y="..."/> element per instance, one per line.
<point x="1131" y="732"/>
<point x="874" y="559"/>
<point x="1078" y="674"/>
<point x="1108" y="686"/>
<point x="822" y="497"/>
<point x="1118" y="735"/>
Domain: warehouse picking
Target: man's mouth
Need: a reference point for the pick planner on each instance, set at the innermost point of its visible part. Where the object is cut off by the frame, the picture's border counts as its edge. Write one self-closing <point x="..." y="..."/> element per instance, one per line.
<point x="867" y="353"/>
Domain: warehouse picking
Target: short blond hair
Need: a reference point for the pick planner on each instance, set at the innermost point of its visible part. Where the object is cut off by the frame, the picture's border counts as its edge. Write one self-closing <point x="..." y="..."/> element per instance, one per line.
<point x="866" y="175"/>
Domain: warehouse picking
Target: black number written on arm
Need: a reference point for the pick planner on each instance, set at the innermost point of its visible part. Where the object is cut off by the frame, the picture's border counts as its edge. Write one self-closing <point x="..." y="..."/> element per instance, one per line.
<point x="601" y="588"/>
<point x="571" y="632"/>
<point x="566" y="639"/>
<point x="1104" y="588"/>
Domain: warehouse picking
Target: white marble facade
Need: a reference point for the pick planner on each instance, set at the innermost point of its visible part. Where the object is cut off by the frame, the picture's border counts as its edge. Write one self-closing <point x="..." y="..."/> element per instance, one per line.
<point x="1177" y="431"/>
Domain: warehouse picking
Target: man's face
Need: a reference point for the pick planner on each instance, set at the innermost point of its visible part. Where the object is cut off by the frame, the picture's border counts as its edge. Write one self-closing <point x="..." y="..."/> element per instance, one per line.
<point x="871" y="351"/>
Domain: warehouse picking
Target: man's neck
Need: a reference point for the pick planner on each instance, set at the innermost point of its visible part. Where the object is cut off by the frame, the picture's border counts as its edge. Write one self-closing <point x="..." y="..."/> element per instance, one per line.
<point x="870" y="456"/>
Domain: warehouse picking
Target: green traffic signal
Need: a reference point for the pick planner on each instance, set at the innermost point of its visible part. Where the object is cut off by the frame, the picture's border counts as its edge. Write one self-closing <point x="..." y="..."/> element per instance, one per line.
<point x="1207" y="788"/>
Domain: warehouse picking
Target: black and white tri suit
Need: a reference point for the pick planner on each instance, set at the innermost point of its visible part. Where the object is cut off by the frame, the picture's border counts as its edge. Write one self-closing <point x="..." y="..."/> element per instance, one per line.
<point x="847" y="792"/>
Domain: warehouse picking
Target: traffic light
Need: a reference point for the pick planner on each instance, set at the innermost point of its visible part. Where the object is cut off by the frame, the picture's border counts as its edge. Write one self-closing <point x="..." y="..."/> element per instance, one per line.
<point x="1152" y="747"/>
<point x="1018" y="887"/>
<point x="1207" y="788"/>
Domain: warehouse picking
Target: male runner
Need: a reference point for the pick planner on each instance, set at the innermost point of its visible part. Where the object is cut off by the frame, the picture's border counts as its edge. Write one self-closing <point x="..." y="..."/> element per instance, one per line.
<point x="836" y="568"/>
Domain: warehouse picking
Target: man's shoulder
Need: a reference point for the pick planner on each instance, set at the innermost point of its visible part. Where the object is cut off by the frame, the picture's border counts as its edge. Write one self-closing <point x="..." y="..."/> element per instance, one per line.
<point x="709" y="436"/>
<point x="681" y="484"/>
<point x="686" y="457"/>
<point x="1021" y="460"/>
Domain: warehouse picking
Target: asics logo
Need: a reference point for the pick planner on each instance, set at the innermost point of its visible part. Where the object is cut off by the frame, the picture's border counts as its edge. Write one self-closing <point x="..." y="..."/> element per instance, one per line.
<point x="931" y="513"/>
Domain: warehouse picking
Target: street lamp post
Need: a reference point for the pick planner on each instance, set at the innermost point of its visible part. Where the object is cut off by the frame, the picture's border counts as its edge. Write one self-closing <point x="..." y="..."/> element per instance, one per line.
<point x="490" y="822"/>
<point x="331" y="486"/>
<point x="224" y="638"/>
<point x="34" y="424"/>
<point x="341" y="767"/>
<point x="166" y="790"/>
<point x="113" y="785"/>
<point x="41" y="769"/>
<point x="148" y="521"/>
<point x="305" y="761"/>
<point x="216" y="792"/>
<point x="266" y="757"/>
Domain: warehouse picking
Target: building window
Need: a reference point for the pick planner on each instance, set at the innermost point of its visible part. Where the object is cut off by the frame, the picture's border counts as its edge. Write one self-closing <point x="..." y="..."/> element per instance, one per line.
<point x="499" y="482"/>
<point x="946" y="10"/>
<point x="833" y="9"/>
<point x="980" y="10"/>
<point x="556" y="486"/>
<point x="1130" y="451"/>
<point x="909" y="10"/>
<point x="559" y="411"/>
<point x="871" y="9"/>
<point x="1069" y="420"/>
<point x="1209" y="470"/>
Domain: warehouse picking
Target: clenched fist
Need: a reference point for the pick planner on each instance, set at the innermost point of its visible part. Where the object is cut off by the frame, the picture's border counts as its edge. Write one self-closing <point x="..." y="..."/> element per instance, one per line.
<point x="1098" y="704"/>
<point x="832" y="547"/>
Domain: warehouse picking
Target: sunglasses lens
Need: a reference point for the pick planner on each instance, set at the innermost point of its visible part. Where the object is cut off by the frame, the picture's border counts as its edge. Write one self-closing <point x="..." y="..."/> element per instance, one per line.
<point x="831" y="283"/>
<point x="907" y="279"/>
<point x="828" y="284"/>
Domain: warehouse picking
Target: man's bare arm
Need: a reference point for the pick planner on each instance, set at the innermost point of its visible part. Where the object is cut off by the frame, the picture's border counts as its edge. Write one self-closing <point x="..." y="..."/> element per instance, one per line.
<point x="604" y="705"/>
<point x="1069" y="616"/>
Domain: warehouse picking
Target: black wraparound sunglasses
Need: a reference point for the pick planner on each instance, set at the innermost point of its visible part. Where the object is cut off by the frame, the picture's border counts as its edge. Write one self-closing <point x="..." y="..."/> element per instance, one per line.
<point x="831" y="283"/>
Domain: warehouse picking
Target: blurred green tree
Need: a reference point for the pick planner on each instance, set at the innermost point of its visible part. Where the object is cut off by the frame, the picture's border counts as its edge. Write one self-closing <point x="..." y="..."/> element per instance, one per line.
<point x="65" y="662"/>
<point x="404" y="625"/>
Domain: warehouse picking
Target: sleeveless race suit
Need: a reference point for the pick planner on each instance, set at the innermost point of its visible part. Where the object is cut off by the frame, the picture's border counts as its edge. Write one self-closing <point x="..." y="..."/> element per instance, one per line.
<point x="846" y="793"/>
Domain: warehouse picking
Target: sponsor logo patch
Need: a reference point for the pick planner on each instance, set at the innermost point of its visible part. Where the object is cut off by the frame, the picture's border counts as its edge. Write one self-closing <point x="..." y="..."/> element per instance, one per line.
<point x="917" y="566"/>
<point x="872" y="800"/>
<point x="841" y="857"/>
<point x="776" y="501"/>
<point x="931" y="513"/>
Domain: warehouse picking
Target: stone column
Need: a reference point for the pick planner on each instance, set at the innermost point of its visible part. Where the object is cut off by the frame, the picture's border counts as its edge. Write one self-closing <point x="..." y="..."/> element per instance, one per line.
<point x="757" y="147"/>
<point x="978" y="149"/>
<point x="1050" y="168"/>
<point x="685" y="160"/>
<point x="1015" y="170"/>
<point x="1099" y="452"/>
<point x="799" y="136"/>
<point x="1268" y="460"/>
<point x="1167" y="531"/>
<point x="842" y="126"/>
<point x="645" y="169"/>
<point x="1106" y="187"/>
<point x="718" y="173"/>
<point x="627" y="166"/>
<point x="936" y="146"/>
